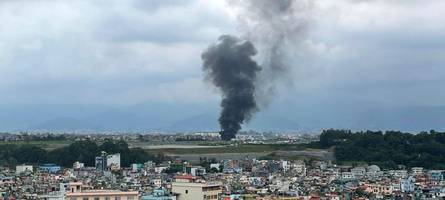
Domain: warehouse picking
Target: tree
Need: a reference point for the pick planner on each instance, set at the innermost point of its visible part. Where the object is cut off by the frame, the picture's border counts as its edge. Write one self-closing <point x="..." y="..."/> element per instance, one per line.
<point x="388" y="149"/>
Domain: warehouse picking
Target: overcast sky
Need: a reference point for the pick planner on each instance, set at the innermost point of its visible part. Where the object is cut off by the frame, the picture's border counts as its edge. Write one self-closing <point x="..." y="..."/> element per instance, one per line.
<point x="114" y="52"/>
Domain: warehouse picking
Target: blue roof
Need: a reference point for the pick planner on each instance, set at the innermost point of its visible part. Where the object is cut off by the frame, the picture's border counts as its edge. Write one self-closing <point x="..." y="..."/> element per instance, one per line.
<point x="49" y="165"/>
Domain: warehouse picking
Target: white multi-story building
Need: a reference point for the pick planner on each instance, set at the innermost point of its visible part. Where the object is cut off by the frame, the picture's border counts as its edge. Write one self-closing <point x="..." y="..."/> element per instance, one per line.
<point x="399" y="173"/>
<point x="23" y="168"/>
<point x="280" y="185"/>
<point x="300" y="167"/>
<point x="379" y="189"/>
<point x="149" y="165"/>
<point x="78" y="165"/>
<point x="373" y="171"/>
<point x="285" y="165"/>
<point x="160" y="169"/>
<point x="208" y="134"/>
<point x="358" y="172"/>
<point x="215" y="165"/>
<point x="157" y="182"/>
<point x="347" y="175"/>
<point x="114" y="161"/>
<point x="417" y="171"/>
<point x="407" y="185"/>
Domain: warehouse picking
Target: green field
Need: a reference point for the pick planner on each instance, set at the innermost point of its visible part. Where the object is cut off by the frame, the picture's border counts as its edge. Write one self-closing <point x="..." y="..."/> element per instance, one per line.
<point x="260" y="151"/>
<point x="47" y="145"/>
<point x="246" y="148"/>
<point x="190" y="148"/>
<point x="145" y="144"/>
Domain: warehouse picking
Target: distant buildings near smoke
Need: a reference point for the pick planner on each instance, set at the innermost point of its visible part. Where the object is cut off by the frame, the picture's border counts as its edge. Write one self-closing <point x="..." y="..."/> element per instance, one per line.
<point x="107" y="162"/>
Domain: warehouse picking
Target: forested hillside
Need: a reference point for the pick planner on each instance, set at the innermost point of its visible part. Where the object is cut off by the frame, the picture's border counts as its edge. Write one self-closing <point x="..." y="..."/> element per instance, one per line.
<point x="387" y="149"/>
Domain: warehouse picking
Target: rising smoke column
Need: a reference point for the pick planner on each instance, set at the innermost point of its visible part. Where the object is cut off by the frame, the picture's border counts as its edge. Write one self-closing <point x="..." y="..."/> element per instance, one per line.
<point x="277" y="28"/>
<point x="274" y="27"/>
<point x="228" y="64"/>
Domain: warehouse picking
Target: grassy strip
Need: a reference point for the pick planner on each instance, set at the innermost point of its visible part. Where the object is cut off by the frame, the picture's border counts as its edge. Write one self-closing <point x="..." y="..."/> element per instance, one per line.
<point x="47" y="145"/>
<point x="250" y="148"/>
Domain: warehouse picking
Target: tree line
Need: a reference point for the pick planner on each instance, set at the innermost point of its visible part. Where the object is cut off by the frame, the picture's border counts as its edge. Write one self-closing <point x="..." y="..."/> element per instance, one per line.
<point x="83" y="151"/>
<point x="387" y="149"/>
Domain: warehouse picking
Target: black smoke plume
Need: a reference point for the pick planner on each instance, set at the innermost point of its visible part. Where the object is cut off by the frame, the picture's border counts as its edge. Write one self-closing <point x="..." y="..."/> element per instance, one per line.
<point x="277" y="28"/>
<point x="228" y="64"/>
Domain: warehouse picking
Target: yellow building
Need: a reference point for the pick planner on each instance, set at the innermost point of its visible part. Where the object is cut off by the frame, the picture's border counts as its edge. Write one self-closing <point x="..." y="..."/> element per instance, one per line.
<point x="75" y="192"/>
<point x="189" y="187"/>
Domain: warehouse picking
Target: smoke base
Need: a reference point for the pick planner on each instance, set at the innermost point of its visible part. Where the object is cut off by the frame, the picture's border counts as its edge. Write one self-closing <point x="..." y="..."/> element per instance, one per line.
<point x="228" y="64"/>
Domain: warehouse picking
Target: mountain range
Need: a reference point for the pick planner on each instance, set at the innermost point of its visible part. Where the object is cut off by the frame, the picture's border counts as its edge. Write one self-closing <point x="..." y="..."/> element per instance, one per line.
<point x="169" y="117"/>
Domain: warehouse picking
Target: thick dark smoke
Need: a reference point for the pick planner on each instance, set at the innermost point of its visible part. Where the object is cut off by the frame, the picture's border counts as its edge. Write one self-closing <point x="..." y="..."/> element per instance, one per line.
<point x="275" y="28"/>
<point x="228" y="64"/>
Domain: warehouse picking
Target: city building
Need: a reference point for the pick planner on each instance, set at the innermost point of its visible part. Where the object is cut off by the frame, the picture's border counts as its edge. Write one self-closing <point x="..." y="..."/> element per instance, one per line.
<point x="407" y="185"/>
<point x="417" y="171"/>
<point x="106" y="162"/>
<point x="347" y="176"/>
<point x="20" y="169"/>
<point x="114" y="162"/>
<point x="436" y="175"/>
<point x="159" y="194"/>
<point x="78" y="165"/>
<point x="136" y="167"/>
<point x="51" y="168"/>
<point x="76" y="192"/>
<point x="101" y="161"/>
<point x="189" y="187"/>
<point x="358" y="172"/>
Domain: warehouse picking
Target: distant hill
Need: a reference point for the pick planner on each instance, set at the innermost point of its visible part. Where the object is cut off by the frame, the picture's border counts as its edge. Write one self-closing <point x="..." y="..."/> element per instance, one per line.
<point x="272" y="122"/>
<point x="201" y="122"/>
<point x="67" y="124"/>
<point x="169" y="117"/>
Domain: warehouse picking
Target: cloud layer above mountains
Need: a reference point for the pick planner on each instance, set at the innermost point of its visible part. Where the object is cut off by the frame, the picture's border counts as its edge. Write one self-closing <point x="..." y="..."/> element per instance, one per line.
<point x="358" y="53"/>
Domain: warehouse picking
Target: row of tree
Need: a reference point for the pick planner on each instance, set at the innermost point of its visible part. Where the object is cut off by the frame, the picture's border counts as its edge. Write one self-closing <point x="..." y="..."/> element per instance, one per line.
<point x="82" y="151"/>
<point x="388" y="149"/>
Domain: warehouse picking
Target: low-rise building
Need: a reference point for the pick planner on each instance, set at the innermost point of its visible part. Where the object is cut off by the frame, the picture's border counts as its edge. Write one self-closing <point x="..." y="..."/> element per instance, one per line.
<point x="159" y="194"/>
<point x="189" y="187"/>
<point x="417" y="171"/>
<point x="78" y="165"/>
<point x="358" y="172"/>
<point x="51" y="168"/>
<point x="114" y="162"/>
<point x="76" y="192"/>
<point x="20" y="169"/>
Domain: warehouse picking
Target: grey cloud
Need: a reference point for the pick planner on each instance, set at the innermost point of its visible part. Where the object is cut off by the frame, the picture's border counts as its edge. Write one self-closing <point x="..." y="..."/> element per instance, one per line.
<point x="66" y="51"/>
<point x="172" y="22"/>
<point x="120" y="52"/>
<point x="154" y="5"/>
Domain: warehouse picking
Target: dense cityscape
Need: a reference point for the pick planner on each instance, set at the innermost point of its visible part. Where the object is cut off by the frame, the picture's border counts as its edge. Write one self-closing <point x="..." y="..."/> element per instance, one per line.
<point x="222" y="100"/>
<point x="306" y="178"/>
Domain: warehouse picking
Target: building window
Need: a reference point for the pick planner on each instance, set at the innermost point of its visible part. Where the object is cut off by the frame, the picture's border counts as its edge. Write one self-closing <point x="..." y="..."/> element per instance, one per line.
<point x="107" y="198"/>
<point x="73" y="198"/>
<point x="85" y="198"/>
<point x="117" y="198"/>
<point x="96" y="198"/>
<point x="186" y="191"/>
<point x="130" y="198"/>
